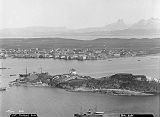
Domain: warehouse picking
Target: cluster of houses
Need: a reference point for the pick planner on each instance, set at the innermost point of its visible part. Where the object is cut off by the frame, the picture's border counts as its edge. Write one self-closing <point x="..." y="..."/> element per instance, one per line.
<point x="69" y="53"/>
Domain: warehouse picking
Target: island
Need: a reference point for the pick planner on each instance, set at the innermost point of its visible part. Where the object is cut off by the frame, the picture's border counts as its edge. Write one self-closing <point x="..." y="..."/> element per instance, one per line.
<point x="117" y="84"/>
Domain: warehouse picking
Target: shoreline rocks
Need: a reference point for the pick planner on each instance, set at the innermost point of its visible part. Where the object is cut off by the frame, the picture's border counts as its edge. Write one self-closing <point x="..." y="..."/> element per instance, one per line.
<point x="117" y="84"/>
<point x="117" y="92"/>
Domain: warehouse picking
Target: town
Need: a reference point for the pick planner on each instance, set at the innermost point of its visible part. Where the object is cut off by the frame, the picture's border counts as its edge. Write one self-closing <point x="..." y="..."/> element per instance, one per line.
<point x="71" y="53"/>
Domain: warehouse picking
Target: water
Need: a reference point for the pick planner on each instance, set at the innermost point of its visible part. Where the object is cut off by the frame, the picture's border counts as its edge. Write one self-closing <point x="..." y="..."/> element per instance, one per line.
<point x="52" y="102"/>
<point x="48" y="102"/>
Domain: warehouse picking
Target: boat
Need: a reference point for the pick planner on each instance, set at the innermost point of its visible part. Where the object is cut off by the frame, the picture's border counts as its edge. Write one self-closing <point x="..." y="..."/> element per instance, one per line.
<point x="24" y="75"/>
<point x="21" y="111"/>
<point x="3" y="67"/>
<point x="12" y="75"/>
<point x="10" y="111"/>
<point x="89" y="113"/>
<point x="3" y="89"/>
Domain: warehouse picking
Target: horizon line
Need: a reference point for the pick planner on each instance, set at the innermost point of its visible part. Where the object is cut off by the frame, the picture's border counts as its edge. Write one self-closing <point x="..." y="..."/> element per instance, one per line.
<point x="78" y="28"/>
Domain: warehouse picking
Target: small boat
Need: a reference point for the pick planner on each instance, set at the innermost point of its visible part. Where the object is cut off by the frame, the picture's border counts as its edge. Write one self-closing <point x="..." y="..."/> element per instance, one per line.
<point x="3" y="67"/>
<point x="3" y="89"/>
<point x="138" y="60"/>
<point x="21" y="111"/>
<point x="12" y="75"/>
<point x="23" y="75"/>
<point x="10" y="111"/>
<point x="90" y="113"/>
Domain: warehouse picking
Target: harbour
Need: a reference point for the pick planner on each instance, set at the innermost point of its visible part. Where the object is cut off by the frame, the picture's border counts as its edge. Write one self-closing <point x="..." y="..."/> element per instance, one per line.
<point x="80" y="58"/>
<point x="62" y="103"/>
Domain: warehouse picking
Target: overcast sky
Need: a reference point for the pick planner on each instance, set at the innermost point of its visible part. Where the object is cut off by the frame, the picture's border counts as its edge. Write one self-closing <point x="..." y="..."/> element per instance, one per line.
<point x="74" y="13"/>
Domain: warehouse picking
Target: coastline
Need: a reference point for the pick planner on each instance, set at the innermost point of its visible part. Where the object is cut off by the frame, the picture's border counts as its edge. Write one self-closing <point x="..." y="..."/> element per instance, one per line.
<point x="115" y="92"/>
<point x="108" y="58"/>
<point x="117" y="84"/>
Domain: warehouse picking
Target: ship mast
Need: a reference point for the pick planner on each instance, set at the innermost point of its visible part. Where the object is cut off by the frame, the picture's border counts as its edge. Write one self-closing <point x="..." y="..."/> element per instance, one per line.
<point x="81" y="110"/>
<point x="41" y="70"/>
<point x="26" y="70"/>
<point x="2" y="65"/>
<point x="95" y="109"/>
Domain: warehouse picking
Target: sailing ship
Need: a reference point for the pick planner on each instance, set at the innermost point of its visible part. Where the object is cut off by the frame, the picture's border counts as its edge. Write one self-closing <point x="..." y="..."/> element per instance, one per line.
<point x="24" y="75"/>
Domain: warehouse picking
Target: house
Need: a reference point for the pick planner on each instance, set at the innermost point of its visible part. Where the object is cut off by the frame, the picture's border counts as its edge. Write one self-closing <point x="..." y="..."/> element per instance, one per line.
<point x="117" y="54"/>
<point x="73" y="72"/>
<point x="141" y="77"/>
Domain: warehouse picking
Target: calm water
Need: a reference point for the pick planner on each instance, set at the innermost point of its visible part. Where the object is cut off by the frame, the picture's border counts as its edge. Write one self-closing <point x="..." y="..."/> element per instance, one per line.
<point x="49" y="102"/>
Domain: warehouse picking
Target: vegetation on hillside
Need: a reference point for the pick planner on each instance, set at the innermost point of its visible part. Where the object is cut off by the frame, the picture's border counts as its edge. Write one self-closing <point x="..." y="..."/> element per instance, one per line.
<point x="121" y="83"/>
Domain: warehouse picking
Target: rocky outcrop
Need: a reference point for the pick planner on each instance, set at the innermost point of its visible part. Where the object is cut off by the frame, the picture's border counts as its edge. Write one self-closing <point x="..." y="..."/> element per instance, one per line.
<point x="117" y="84"/>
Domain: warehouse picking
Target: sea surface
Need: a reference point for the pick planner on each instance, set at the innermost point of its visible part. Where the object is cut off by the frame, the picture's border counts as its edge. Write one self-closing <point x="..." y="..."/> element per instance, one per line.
<point x="53" y="102"/>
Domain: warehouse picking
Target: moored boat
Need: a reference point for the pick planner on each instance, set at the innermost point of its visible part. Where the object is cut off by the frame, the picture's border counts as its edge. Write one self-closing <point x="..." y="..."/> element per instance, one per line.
<point x="21" y="111"/>
<point x="3" y="67"/>
<point x="24" y="75"/>
<point x="89" y="113"/>
<point x="12" y="75"/>
<point x="10" y="111"/>
<point x="2" y="88"/>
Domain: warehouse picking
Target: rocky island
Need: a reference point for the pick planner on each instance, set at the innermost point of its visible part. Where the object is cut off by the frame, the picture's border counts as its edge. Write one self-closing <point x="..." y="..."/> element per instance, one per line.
<point x="117" y="84"/>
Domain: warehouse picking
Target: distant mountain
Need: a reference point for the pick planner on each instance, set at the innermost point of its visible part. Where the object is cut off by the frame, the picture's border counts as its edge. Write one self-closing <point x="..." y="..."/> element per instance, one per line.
<point x="119" y="25"/>
<point x="150" y="24"/>
<point x="143" y="28"/>
<point x="32" y="32"/>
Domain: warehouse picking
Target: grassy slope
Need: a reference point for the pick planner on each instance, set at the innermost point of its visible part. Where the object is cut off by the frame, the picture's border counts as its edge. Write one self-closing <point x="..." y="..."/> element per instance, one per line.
<point x="71" y="43"/>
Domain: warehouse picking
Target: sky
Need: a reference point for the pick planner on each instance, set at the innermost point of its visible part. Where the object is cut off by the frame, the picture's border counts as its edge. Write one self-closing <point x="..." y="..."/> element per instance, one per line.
<point x="74" y="13"/>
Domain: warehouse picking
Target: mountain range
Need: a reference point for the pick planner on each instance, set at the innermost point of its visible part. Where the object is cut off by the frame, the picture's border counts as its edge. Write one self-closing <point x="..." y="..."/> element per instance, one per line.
<point x="143" y="28"/>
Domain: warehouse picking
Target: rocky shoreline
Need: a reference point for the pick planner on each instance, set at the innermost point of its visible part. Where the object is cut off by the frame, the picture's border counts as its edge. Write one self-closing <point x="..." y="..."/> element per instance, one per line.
<point x="116" y="92"/>
<point x="118" y="84"/>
